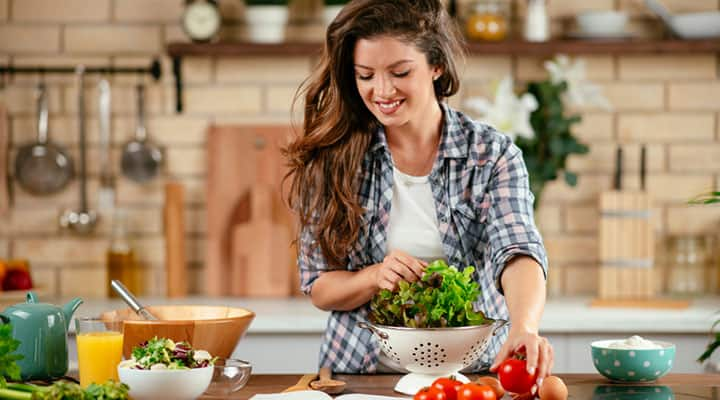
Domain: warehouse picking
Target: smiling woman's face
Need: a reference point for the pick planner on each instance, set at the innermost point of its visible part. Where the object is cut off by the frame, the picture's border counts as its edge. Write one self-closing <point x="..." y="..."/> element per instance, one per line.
<point x="394" y="80"/>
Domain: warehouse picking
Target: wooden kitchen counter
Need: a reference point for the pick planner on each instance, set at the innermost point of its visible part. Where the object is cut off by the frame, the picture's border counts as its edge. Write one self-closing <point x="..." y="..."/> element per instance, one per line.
<point x="581" y="386"/>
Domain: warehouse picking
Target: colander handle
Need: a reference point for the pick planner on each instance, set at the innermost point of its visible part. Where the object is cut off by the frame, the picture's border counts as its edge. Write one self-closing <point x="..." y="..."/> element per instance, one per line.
<point x="380" y="334"/>
<point x="499" y="323"/>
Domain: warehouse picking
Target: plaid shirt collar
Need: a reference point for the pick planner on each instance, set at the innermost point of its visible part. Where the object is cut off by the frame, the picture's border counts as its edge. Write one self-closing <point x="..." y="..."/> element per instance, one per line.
<point x="453" y="141"/>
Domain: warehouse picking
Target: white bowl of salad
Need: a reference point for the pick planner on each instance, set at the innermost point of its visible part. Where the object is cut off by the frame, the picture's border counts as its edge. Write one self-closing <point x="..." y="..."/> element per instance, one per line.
<point x="163" y="369"/>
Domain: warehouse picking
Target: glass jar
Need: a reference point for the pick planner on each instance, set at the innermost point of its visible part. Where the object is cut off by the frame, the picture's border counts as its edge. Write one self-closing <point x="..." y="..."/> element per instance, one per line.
<point x="120" y="258"/>
<point x="487" y="21"/>
<point x="688" y="261"/>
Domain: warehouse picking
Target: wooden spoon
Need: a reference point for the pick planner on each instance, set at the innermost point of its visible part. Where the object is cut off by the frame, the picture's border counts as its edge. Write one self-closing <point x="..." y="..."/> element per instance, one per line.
<point x="302" y="384"/>
<point x="327" y="384"/>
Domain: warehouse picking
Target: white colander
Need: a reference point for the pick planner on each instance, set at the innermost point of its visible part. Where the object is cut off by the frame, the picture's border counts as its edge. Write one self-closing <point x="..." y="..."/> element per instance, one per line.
<point x="429" y="353"/>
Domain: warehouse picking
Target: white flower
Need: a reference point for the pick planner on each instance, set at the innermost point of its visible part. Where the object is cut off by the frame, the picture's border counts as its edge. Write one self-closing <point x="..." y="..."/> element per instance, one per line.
<point x="509" y="114"/>
<point x="580" y="92"/>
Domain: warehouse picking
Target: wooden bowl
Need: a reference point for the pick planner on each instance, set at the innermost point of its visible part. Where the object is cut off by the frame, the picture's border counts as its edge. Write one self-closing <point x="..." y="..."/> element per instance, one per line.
<point x="216" y="329"/>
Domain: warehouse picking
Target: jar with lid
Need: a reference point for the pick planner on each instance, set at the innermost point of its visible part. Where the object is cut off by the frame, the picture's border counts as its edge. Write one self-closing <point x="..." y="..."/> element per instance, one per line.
<point x="488" y="20"/>
<point x="688" y="260"/>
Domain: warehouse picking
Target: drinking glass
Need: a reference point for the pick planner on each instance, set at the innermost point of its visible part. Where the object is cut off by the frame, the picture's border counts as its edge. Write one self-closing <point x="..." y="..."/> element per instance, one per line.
<point x="99" y="347"/>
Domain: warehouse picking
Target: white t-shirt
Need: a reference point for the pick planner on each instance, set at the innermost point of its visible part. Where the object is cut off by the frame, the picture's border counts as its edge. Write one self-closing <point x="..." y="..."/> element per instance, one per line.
<point x="413" y="225"/>
<point x="413" y="228"/>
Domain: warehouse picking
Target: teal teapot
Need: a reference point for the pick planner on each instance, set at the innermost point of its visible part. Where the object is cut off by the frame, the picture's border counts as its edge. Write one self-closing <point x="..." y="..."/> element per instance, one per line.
<point x="42" y="330"/>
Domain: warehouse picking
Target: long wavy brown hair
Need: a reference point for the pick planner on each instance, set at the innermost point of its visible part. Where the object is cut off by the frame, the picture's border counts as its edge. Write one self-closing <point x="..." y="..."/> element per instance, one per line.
<point x="325" y="159"/>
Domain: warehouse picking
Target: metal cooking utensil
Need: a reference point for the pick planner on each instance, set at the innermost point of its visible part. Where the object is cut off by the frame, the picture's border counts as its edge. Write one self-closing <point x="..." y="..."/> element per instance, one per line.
<point x="82" y="221"/>
<point x="141" y="159"/>
<point x="43" y="168"/>
<point x="106" y="193"/>
<point x="131" y="300"/>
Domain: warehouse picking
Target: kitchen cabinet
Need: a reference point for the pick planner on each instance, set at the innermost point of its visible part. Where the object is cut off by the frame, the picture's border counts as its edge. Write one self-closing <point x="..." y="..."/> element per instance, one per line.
<point x="286" y="333"/>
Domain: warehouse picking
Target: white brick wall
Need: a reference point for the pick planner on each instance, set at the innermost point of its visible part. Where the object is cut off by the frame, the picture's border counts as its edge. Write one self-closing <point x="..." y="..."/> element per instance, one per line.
<point x="670" y="103"/>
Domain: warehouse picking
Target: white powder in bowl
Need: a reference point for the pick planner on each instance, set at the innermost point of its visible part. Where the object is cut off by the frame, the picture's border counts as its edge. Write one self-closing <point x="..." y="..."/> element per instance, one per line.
<point x="634" y="343"/>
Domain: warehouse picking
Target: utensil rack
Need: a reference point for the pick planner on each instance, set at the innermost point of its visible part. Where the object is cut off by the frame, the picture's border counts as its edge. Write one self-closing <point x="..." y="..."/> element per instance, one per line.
<point x="154" y="70"/>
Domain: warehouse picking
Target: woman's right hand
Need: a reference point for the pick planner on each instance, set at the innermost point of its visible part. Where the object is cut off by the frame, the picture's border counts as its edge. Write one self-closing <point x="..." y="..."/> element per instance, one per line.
<point x="398" y="266"/>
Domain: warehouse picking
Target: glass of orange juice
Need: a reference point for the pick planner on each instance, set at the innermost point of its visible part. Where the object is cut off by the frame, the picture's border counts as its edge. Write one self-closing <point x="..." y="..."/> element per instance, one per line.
<point x="99" y="347"/>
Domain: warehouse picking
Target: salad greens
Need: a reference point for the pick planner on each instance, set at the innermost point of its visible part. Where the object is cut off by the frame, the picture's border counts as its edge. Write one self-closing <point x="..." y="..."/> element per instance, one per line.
<point x="64" y="390"/>
<point x="8" y="345"/>
<point x="162" y="353"/>
<point x="442" y="298"/>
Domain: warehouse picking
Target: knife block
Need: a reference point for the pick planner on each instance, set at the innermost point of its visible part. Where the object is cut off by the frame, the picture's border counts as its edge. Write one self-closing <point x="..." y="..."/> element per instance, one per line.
<point x="626" y="250"/>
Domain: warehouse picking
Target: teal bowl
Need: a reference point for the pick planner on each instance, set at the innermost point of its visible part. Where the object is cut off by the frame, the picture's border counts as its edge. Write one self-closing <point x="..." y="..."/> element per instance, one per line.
<point x="630" y="365"/>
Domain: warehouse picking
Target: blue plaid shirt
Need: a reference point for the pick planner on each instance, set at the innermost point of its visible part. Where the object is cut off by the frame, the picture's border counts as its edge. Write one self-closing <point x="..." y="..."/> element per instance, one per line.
<point x="485" y="217"/>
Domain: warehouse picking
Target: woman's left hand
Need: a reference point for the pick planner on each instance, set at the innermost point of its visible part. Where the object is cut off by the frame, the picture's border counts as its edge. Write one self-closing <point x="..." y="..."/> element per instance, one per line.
<point x="537" y="349"/>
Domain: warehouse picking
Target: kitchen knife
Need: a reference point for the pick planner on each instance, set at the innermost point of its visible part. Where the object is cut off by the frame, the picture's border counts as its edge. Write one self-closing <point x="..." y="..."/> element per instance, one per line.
<point x="617" y="183"/>
<point x="643" y="165"/>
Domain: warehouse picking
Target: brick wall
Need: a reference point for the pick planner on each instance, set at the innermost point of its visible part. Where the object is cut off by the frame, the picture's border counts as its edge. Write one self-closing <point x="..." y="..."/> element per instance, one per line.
<point x="668" y="102"/>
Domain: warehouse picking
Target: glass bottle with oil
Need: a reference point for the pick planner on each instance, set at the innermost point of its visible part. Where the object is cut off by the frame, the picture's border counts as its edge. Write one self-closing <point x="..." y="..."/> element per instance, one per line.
<point x="121" y="264"/>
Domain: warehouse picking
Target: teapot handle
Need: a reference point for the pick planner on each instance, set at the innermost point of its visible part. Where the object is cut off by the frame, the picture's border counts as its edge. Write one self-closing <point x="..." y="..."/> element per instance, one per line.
<point x="31" y="298"/>
<point x="4" y="319"/>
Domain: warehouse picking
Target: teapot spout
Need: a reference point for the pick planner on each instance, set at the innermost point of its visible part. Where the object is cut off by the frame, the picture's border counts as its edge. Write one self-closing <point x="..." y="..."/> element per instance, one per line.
<point x="69" y="309"/>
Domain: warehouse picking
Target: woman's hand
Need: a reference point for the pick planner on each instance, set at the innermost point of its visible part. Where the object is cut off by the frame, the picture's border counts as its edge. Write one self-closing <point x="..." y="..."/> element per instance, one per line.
<point x="398" y="266"/>
<point x="538" y="353"/>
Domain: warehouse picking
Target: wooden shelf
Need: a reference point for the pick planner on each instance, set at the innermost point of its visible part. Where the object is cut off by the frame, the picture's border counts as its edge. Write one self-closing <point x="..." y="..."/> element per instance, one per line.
<point x="235" y="49"/>
<point x="179" y="50"/>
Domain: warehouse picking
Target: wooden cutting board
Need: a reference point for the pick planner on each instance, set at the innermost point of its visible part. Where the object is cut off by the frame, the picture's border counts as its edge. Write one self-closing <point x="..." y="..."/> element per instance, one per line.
<point x="4" y="139"/>
<point x="174" y="227"/>
<point x="246" y="215"/>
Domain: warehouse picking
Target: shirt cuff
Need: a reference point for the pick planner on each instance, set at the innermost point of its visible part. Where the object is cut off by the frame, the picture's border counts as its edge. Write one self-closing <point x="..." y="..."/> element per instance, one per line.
<point x="534" y="250"/>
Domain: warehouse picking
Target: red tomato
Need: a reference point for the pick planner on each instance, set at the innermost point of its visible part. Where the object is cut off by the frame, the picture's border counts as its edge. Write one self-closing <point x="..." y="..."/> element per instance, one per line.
<point x="447" y="385"/>
<point x="473" y="391"/>
<point x="430" y="393"/>
<point x="514" y="377"/>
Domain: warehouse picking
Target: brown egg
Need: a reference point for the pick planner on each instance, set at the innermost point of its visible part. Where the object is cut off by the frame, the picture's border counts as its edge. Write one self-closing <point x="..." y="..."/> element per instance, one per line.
<point x="553" y="388"/>
<point x="493" y="383"/>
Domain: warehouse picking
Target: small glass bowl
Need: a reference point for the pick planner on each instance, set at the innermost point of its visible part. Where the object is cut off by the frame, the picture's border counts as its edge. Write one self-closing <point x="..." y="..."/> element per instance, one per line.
<point x="229" y="375"/>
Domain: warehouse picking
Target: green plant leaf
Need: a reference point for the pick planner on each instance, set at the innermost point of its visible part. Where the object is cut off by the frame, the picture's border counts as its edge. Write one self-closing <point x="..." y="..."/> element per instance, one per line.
<point x="706" y="198"/>
<point x="8" y="360"/>
<point x="571" y="178"/>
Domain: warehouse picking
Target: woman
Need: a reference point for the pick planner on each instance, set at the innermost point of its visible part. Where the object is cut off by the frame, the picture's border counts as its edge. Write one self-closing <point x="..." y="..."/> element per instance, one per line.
<point x="386" y="177"/>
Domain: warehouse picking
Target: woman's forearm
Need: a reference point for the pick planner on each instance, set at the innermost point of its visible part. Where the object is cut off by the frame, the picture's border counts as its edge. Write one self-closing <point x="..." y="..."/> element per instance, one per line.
<point x="344" y="290"/>
<point x="524" y="285"/>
